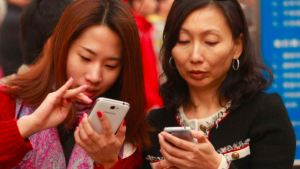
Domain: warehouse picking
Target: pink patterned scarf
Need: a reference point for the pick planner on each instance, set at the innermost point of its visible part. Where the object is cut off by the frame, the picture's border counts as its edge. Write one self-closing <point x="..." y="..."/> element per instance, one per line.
<point x="47" y="149"/>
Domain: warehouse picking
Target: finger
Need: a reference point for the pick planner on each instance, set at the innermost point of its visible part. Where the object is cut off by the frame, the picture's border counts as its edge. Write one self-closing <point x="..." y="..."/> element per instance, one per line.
<point x="78" y="139"/>
<point x="180" y="143"/>
<point x="157" y="165"/>
<point x="170" y="149"/>
<point x="200" y="136"/>
<point x="172" y="161"/>
<point x="83" y="99"/>
<point x="121" y="132"/>
<point x="162" y="164"/>
<point x="66" y="104"/>
<point x="76" y="91"/>
<point x="62" y="90"/>
<point x="88" y="130"/>
<point x="106" y="127"/>
<point x="84" y="136"/>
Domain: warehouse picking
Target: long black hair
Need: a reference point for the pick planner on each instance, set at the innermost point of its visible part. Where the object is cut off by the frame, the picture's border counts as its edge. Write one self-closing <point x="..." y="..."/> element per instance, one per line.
<point x="238" y="86"/>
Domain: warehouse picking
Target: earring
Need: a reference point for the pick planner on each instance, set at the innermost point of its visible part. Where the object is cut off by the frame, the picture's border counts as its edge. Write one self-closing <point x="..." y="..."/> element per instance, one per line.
<point x="170" y="63"/>
<point x="237" y="64"/>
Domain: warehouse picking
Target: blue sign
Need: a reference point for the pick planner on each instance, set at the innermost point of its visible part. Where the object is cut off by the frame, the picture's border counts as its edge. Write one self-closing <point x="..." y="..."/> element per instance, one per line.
<point x="280" y="33"/>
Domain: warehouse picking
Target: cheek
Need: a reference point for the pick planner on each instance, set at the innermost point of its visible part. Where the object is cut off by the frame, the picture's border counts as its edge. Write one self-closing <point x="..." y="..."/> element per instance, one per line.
<point x="181" y="57"/>
<point x="220" y="65"/>
<point x="74" y="70"/>
<point x="110" y="79"/>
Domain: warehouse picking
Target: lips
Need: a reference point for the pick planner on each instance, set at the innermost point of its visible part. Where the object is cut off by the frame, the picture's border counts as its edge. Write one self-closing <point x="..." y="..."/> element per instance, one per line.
<point x="197" y="74"/>
<point x="88" y="93"/>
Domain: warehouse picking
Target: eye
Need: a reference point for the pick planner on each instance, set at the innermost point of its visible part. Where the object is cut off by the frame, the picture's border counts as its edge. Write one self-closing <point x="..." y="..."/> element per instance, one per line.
<point x="211" y="43"/>
<point x="111" y="66"/>
<point x="85" y="58"/>
<point x="182" y="42"/>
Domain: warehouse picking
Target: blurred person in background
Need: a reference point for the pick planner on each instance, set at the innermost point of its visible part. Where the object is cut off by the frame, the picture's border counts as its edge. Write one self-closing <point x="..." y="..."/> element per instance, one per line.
<point x="141" y="9"/>
<point x="158" y="20"/>
<point x="2" y="15"/>
<point x="37" y="22"/>
<point x="94" y="52"/>
<point x="10" y="50"/>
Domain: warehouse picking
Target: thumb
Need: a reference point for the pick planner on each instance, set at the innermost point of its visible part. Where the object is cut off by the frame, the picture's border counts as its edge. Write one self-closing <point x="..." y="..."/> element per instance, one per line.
<point x="121" y="132"/>
<point x="158" y="166"/>
<point x="163" y="164"/>
<point x="199" y="135"/>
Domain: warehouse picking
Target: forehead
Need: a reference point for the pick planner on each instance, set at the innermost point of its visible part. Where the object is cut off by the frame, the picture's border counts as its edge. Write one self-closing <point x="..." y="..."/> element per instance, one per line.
<point x="100" y="33"/>
<point x="205" y="19"/>
<point x="100" y="39"/>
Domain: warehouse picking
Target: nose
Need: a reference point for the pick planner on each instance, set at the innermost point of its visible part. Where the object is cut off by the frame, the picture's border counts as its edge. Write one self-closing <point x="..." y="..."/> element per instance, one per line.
<point x="94" y="74"/>
<point x="196" y="55"/>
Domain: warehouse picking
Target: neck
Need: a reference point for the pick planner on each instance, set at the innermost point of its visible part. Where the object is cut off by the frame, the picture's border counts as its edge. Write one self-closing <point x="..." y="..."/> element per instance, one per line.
<point x="203" y="103"/>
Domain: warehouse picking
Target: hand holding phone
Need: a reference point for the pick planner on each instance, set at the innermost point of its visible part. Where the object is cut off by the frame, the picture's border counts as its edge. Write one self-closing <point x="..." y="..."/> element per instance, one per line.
<point x="181" y="132"/>
<point x="114" y="110"/>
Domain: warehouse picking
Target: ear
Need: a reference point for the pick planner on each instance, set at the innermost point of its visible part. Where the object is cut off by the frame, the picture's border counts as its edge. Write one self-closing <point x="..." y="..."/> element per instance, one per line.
<point x="238" y="47"/>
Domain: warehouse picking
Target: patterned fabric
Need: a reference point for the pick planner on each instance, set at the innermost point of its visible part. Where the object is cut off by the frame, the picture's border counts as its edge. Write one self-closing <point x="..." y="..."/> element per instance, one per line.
<point x="209" y="122"/>
<point x="83" y="108"/>
<point x="235" y="146"/>
<point x="47" y="150"/>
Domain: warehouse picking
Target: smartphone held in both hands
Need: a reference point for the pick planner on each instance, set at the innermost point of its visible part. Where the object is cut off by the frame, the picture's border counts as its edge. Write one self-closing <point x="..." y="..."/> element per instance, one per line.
<point x="114" y="110"/>
<point x="181" y="132"/>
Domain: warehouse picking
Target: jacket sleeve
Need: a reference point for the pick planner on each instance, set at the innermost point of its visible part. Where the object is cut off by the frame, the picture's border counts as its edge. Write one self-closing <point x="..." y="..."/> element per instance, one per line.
<point x="273" y="141"/>
<point x="12" y="146"/>
<point x="132" y="162"/>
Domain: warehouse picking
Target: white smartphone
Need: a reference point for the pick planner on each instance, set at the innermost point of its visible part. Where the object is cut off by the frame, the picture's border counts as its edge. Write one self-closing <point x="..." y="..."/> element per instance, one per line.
<point x="114" y="110"/>
<point x="181" y="132"/>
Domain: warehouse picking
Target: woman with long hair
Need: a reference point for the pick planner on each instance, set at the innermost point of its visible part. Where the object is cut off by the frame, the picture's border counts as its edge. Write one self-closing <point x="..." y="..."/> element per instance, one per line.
<point x="94" y="51"/>
<point x="214" y="85"/>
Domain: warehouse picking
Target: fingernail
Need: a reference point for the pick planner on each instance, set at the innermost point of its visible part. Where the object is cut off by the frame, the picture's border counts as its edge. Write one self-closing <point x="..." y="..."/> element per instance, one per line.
<point x="76" y="128"/>
<point x="84" y="115"/>
<point x="90" y="100"/>
<point x="99" y="114"/>
<point x="123" y="123"/>
<point x="70" y="78"/>
<point x="160" y="136"/>
<point x="79" y="121"/>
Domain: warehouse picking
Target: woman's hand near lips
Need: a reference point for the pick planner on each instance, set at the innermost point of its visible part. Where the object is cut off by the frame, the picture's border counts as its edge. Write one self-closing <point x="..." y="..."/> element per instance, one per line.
<point x="53" y="110"/>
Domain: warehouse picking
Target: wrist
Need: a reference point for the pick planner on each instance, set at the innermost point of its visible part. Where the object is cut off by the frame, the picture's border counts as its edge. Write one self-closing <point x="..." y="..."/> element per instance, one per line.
<point x="224" y="162"/>
<point x="26" y="126"/>
<point x="217" y="162"/>
<point x="107" y="165"/>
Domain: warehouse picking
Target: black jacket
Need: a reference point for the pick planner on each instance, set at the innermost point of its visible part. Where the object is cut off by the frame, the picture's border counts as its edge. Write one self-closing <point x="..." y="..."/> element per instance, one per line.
<point x="263" y="120"/>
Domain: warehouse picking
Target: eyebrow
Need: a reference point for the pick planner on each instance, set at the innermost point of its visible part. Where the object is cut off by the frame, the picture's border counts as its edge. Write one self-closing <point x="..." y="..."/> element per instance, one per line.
<point x="95" y="54"/>
<point x="205" y="32"/>
<point x="89" y="50"/>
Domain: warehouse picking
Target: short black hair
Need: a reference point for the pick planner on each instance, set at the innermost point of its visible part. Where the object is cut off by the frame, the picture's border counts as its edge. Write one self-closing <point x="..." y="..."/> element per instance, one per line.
<point x="238" y="86"/>
<point x="38" y="20"/>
